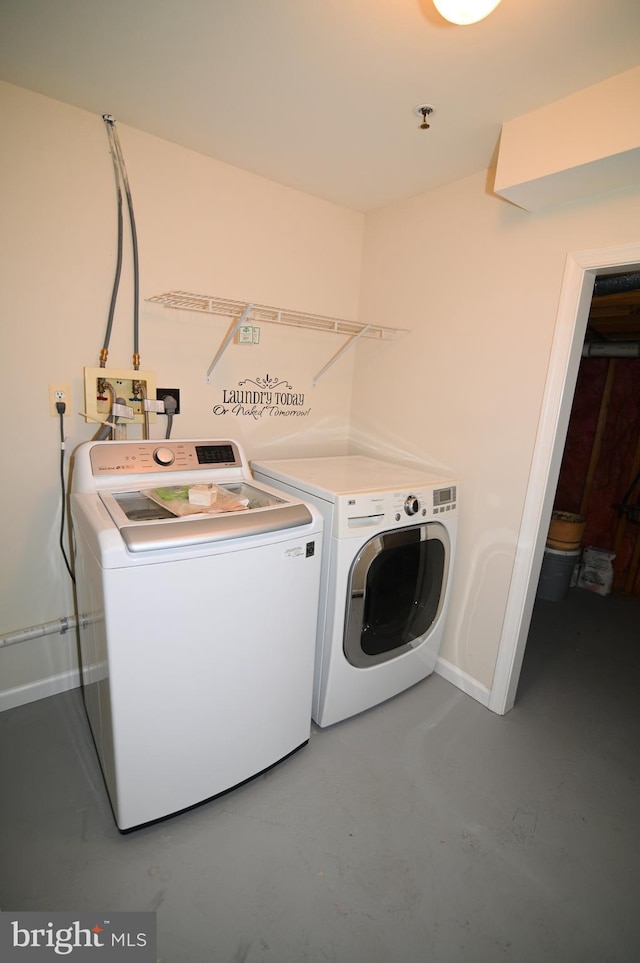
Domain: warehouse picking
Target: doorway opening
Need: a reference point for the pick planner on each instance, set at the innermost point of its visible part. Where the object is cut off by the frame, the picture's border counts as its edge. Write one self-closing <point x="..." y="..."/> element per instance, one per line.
<point x="599" y="479"/>
<point x="571" y="324"/>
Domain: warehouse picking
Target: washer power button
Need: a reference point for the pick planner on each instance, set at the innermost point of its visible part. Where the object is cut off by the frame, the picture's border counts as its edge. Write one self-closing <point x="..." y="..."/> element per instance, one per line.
<point x="164" y="456"/>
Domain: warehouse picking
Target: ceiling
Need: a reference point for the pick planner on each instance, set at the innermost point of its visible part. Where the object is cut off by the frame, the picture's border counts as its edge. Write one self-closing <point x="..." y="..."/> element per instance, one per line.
<point x="615" y="308"/>
<point x="319" y="95"/>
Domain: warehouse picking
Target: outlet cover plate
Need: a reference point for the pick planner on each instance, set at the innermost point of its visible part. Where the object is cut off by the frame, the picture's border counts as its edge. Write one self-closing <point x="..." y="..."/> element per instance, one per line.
<point x="59" y="392"/>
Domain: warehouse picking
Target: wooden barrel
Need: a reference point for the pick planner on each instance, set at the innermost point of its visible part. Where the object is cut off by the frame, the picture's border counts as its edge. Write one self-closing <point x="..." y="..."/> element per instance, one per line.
<point x="565" y="531"/>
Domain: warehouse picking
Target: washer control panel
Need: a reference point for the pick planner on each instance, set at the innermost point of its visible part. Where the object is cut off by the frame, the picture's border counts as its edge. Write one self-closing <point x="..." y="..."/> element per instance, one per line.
<point x="131" y="457"/>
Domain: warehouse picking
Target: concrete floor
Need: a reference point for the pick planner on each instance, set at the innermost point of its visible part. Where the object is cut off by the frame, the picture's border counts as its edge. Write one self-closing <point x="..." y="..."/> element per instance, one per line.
<point x="428" y="830"/>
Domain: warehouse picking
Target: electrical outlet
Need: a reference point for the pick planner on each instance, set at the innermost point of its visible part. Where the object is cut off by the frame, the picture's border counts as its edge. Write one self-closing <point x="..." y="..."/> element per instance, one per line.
<point x="99" y="383"/>
<point x="161" y="394"/>
<point x="59" y="393"/>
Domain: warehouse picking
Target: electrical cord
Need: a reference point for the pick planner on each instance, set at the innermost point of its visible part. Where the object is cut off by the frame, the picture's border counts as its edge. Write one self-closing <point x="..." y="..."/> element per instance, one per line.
<point x="60" y="408"/>
<point x="170" y="406"/>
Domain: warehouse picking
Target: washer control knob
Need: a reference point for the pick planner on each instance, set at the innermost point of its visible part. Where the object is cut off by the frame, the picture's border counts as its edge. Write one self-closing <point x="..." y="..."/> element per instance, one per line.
<point x="411" y="505"/>
<point x="164" y="456"/>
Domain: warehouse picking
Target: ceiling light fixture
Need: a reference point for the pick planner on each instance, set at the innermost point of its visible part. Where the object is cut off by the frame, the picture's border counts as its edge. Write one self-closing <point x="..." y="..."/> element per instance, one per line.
<point x="464" y="12"/>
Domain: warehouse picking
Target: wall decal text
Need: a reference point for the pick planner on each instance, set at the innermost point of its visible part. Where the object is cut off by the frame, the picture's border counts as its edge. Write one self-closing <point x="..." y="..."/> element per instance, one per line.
<point x="266" y="397"/>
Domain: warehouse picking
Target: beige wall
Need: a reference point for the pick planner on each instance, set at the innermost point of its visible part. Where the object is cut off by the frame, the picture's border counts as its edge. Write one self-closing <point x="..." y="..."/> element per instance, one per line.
<point x="477" y="281"/>
<point x="202" y="226"/>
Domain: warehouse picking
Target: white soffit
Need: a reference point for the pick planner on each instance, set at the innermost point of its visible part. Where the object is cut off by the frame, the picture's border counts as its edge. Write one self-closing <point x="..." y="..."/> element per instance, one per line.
<point x="576" y="183"/>
<point x="582" y="146"/>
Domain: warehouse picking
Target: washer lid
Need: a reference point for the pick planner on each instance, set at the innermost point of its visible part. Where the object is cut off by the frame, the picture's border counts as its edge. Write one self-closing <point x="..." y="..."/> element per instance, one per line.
<point x="155" y="536"/>
<point x="147" y="524"/>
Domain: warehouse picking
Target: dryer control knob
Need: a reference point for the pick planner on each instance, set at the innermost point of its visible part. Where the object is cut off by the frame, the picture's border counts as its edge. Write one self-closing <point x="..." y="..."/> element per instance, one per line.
<point x="164" y="456"/>
<point x="411" y="505"/>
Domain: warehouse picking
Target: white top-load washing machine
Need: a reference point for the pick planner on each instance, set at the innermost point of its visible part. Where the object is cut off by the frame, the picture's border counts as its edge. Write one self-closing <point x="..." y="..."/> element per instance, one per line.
<point x="389" y="547"/>
<point x="197" y="595"/>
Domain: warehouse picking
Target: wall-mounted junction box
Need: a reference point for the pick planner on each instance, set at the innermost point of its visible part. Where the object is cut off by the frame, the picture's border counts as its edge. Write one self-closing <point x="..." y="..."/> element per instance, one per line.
<point x="97" y="393"/>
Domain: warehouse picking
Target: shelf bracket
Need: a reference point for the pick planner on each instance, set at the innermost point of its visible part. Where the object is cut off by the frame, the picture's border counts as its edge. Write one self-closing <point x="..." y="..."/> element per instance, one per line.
<point x="227" y="341"/>
<point x="345" y="347"/>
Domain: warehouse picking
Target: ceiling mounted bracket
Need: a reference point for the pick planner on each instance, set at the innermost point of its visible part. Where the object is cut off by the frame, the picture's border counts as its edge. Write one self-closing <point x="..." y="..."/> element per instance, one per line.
<point x="424" y="111"/>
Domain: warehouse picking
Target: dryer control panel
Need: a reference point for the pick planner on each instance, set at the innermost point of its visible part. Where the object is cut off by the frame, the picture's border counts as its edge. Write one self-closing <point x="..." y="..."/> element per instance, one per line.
<point x="444" y="499"/>
<point x="379" y="511"/>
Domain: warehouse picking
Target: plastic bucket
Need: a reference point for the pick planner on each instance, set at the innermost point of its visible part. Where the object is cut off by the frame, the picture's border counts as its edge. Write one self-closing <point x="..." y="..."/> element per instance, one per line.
<point x="555" y="574"/>
<point x="566" y="531"/>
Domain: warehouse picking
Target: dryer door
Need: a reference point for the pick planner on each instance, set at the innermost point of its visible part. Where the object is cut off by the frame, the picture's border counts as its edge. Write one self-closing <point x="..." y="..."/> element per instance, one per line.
<point x="395" y="592"/>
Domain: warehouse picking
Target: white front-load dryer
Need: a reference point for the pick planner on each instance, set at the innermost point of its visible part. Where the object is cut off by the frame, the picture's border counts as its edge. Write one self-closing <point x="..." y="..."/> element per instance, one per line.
<point x="387" y="560"/>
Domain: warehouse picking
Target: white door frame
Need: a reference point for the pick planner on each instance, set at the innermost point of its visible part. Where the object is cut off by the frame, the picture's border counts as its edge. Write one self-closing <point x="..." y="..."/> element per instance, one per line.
<point x="571" y="322"/>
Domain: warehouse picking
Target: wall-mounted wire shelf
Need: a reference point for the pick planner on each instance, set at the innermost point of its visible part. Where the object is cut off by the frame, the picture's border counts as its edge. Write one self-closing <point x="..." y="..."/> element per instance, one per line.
<point x="242" y="313"/>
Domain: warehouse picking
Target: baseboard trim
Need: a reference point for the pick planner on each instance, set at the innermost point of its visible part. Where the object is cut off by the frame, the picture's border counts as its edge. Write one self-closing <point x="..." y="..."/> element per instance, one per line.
<point x="462" y="680"/>
<point x="42" y="689"/>
<point x="23" y="694"/>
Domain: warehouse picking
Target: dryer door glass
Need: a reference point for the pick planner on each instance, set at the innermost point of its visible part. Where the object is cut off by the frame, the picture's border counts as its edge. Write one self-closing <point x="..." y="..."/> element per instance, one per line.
<point x="395" y="592"/>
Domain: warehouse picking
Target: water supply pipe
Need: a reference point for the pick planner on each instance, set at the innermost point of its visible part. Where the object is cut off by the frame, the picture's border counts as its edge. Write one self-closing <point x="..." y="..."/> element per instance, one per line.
<point x="611" y="349"/>
<point x="57" y="627"/>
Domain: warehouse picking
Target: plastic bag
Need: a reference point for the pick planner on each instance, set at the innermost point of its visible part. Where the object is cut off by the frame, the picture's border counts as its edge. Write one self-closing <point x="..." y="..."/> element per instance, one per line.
<point x="175" y="498"/>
